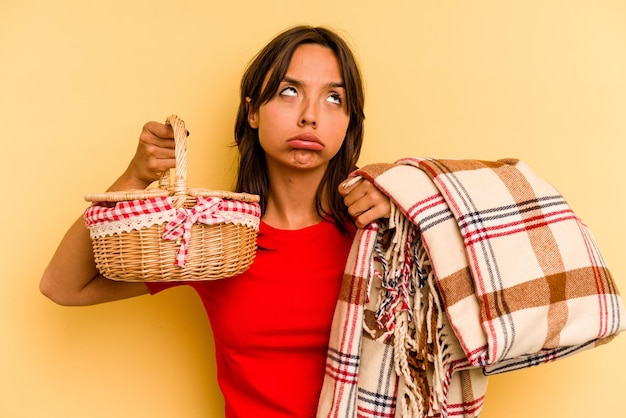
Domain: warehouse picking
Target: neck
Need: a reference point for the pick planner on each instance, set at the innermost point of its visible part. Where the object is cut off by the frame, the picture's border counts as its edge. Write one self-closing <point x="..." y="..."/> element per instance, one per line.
<point x="291" y="200"/>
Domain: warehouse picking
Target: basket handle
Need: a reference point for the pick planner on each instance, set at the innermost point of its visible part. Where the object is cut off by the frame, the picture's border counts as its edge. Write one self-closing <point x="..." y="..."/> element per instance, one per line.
<point x="179" y="188"/>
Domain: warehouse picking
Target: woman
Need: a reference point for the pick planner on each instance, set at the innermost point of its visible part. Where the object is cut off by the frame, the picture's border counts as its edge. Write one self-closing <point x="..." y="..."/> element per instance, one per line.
<point x="299" y="131"/>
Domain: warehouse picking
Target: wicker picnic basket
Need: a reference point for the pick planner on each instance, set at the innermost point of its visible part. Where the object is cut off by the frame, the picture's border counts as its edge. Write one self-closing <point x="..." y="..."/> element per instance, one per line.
<point x="173" y="233"/>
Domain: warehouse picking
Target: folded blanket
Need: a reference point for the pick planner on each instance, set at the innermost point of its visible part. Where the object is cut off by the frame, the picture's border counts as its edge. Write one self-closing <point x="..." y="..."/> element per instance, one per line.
<point x="483" y="268"/>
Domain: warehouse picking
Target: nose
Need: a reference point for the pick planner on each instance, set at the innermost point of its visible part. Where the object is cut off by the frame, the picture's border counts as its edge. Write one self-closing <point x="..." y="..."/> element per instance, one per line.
<point x="309" y="114"/>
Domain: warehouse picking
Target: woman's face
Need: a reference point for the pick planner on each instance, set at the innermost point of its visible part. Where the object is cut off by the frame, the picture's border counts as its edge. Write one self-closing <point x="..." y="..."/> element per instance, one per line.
<point x="303" y="126"/>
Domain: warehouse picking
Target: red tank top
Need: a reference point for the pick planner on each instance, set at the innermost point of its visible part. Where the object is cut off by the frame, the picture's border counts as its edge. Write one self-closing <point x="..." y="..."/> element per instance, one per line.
<point x="272" y="323"/>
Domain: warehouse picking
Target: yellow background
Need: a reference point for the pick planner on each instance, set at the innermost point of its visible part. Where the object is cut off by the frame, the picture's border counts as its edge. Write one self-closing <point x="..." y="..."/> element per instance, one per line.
<point x="541" y="80"/>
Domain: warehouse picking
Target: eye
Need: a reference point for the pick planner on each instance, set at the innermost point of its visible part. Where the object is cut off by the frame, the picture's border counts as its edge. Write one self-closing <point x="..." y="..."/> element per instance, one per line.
<point x="289" y="91"/>
<point x="335" y="98"/>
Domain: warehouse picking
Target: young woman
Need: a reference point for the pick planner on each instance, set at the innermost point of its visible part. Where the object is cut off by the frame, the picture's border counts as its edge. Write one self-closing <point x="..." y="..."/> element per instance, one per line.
<point x="299" y="131"/>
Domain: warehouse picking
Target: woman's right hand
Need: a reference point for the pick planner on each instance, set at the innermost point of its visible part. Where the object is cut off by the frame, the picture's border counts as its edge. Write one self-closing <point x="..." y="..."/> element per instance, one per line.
<point x="155" y="154"/>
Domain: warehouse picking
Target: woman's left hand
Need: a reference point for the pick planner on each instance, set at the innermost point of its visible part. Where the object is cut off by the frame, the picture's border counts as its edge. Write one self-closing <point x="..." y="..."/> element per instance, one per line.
<point x="364" y="201"/>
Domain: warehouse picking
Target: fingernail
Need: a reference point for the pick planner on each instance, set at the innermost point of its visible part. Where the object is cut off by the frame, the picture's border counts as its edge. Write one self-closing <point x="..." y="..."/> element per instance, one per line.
<point x="352" y="181"/>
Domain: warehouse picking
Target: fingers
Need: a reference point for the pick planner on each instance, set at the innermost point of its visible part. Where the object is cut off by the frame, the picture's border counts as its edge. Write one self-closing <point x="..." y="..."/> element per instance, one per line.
<point x="155" y="152"/>
<point x="353" y="195"/>
<point x="364" y="201"/>
<point x="157" y="134"/>
<point x="159" y="131"/>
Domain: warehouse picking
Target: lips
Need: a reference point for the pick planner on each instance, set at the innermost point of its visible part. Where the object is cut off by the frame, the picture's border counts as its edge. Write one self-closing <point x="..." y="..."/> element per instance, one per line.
<point x="306" y="142"/>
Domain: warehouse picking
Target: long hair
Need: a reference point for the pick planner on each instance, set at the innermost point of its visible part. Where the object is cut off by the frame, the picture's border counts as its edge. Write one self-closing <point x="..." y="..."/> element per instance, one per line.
<point x="274" y="59"/>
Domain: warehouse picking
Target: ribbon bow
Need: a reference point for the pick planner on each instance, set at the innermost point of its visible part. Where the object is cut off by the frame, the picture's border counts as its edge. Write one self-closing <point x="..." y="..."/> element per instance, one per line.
<point x="205" y="210"/>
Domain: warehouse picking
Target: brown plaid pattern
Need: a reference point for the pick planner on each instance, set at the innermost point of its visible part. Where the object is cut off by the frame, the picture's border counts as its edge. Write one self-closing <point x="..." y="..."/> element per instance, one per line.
<point x="519" y="276"/>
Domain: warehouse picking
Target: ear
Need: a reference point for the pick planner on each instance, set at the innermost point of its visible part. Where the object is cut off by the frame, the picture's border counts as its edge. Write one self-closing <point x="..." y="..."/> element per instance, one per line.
<point x="252" y="116"/>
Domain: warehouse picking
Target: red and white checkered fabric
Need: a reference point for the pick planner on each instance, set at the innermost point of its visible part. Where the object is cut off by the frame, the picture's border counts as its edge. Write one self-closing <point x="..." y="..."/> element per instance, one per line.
<point x="103" y="212"/>
<point x="104" y="218"/>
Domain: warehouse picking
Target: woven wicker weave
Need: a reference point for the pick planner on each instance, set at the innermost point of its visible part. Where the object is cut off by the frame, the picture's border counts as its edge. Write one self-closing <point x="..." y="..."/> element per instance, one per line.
<point x="142" y="255"/>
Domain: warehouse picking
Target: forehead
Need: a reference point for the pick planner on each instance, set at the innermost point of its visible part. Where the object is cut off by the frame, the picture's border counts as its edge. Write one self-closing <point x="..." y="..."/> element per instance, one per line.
<point x="314" y="61"/>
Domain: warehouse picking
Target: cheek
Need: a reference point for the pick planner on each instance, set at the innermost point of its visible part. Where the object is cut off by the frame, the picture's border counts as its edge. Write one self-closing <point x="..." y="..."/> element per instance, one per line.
<point x="339" y="128"/>
<point x="272" y="121"/>
<point x="264" y="127"/>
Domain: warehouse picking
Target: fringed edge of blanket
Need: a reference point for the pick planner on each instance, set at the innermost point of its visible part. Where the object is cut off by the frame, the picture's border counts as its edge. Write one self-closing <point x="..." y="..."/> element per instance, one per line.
<point x="409" y="310"/>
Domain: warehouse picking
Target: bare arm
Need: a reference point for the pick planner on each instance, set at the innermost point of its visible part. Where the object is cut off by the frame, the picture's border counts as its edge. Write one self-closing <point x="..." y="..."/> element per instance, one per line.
<point x="71" y="277"/>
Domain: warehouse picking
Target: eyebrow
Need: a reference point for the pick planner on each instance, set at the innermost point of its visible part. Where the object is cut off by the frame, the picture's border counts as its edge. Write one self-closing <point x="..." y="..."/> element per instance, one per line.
<point x="295" y="82"/>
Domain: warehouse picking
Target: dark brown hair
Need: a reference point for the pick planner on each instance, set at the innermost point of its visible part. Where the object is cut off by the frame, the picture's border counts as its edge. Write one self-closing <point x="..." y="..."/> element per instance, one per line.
<point x="274" y="60"/>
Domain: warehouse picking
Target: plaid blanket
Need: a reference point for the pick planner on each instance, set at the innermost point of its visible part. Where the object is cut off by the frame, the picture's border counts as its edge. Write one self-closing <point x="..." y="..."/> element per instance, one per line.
<point x="482" y="268"/>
